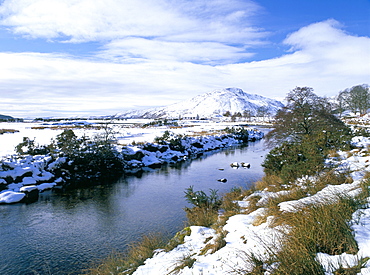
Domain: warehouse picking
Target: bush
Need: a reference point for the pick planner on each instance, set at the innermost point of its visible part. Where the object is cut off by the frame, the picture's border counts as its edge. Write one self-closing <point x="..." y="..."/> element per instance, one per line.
<point x="238" y="132"/>
<point x="202" y="200"/>
<point x="28" y="147"/>
<point x="87" y="160"/>
<point x="291" y="160"/>
<point x="172" y="140"/>
<point x="205" y="210"/>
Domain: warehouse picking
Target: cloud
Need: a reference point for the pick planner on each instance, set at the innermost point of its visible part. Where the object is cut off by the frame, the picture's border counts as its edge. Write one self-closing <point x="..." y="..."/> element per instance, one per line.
<point x="137" y="71"/>
<point x="321" y="56"/>
<point x="85" y="20"/>
<point x="141" y="49"/>
<point x="199" y="31"/>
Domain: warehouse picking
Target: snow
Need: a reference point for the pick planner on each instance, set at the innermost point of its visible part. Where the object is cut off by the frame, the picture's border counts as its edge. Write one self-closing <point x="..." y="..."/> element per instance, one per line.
<point x="11" y="196"/>
<point x="331" y="191"/>
<point x="213" y="104"/>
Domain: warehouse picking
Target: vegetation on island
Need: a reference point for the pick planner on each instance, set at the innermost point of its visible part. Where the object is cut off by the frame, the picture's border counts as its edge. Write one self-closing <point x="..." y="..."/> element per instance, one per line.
<point x="99" y="159"/>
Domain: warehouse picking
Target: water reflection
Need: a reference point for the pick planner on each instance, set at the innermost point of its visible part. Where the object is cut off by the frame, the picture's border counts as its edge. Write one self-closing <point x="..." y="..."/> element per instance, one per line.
<point x="64" y="231"/>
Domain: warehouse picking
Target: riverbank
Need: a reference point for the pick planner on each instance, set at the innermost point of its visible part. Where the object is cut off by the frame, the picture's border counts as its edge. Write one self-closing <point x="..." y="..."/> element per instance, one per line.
<point x="275" y="226"/>
<point x="23" y="177"/>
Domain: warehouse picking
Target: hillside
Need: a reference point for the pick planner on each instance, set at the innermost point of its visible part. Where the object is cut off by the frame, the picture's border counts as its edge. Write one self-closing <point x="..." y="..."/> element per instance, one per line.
<point x="211" y="105"/>
<point x="4" y="117"/>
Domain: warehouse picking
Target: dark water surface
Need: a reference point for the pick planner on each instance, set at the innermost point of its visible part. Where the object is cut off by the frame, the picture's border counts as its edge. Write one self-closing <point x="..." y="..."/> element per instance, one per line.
<point x="64" y="233"/>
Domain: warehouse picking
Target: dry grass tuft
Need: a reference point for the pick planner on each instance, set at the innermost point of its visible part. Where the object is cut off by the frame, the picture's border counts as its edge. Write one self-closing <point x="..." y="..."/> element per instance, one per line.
<point x="127" y="263"/>
<point x="215" y="244"/>
<point x="270" y="183"/>
<point x="201" y="216"/>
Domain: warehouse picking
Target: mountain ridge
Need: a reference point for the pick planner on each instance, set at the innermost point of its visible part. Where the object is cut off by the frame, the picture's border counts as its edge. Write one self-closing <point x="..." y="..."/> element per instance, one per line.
<point x="212" y="104"/>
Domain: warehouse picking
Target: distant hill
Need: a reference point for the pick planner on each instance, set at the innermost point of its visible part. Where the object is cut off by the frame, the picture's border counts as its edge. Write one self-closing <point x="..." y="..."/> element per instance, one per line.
<point x="211" y="105"/>
<point x="4" y="117"/>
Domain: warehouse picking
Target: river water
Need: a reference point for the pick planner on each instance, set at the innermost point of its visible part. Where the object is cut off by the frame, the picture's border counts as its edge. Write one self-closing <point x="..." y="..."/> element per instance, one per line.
<point x="66" y="232"/>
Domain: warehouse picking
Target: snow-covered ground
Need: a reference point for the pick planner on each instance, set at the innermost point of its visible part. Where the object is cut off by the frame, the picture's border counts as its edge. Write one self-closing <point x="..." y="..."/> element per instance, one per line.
<point x="244" y="238"/>
<point x="126" y="131"/>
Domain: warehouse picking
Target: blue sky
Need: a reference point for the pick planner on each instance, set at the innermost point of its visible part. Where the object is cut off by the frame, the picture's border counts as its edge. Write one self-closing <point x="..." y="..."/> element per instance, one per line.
<point x="94" y="57"/>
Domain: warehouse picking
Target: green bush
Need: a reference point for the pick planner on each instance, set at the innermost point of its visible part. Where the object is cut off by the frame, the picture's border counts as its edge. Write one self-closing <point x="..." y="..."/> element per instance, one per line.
<point x="292" y="160"/>
<point x="87" y="159"/>
<point x="238" y="132"/>
<point x="202" y="200"/>
<point x="172" y="140"/>
<point x="205" y="210"/>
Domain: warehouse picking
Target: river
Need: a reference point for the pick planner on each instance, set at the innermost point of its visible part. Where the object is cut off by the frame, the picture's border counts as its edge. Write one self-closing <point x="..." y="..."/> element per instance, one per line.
<point x="66" y="232"/>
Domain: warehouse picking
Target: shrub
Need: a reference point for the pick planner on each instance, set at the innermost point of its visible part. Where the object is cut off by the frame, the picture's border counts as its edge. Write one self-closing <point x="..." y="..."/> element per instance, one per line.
<point x="205" y="210"/>
<point x="28" y="147"/>
<point x="88" y="160"/>
<point x="238" y="132"/>
<point x="172" y="140"/>
<point x="202" y="200"/>
<point x="292" y="160"/>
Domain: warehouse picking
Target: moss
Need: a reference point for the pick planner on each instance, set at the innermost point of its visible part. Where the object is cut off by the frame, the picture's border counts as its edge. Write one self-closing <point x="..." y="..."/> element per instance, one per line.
<point x="178" y="238"/>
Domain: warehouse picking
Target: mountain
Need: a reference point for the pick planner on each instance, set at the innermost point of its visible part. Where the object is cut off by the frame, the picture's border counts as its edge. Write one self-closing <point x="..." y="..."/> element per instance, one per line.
<point x="3" y="117"/>
<point x="211" y="105"/>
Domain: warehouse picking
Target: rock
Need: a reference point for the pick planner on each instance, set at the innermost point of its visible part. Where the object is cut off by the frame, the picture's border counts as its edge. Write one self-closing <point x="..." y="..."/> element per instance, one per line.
<point x="235" y="165"/>
<point x="32" y="195"/>
<point x="245" y="164"/>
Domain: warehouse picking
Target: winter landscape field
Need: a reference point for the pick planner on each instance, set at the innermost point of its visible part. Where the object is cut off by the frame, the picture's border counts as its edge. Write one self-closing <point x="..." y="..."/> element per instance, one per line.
<point x="247" y="235"/>
<point x="184" y="137"/>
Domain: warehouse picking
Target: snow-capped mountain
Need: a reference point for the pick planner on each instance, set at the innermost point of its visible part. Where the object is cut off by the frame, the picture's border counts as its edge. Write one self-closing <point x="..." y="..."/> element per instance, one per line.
<point x="211" y="105"/>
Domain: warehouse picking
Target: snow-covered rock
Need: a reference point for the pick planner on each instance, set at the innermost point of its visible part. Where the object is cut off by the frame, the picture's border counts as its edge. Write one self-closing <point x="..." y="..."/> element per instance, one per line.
<point x="11" y="196"/>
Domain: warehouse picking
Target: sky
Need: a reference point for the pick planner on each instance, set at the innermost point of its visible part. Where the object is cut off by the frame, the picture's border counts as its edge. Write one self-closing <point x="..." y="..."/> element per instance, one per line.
<point x="63" y="58"/>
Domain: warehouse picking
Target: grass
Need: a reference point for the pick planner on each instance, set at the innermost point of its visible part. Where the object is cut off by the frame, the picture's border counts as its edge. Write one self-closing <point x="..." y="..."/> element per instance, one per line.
<point x="316" y="228"/>
<point x="215" y="244"/>
<point x="201" y="216"/>
<point x="344" y="268"/>
<point x="181" y="263"/>
<point x="270" y="183"/>
<point x="3" y="131"/>
<point x="127" y="263"/>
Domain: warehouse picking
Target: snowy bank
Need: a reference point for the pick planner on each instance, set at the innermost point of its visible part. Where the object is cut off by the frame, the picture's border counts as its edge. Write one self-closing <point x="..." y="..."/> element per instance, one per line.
<point x="23" y="174"/>
<point x="250" y="240"/>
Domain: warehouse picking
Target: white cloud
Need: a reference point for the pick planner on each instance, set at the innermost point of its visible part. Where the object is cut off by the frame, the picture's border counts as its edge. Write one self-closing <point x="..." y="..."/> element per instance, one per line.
<point x="183" y="30"/>
<point x="140" y="49"/>
<point x="170" y="69"/>
<point x="86" y="20"/>
<point x="322" y="56"/>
